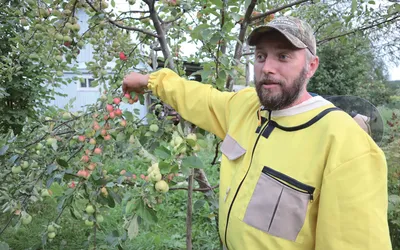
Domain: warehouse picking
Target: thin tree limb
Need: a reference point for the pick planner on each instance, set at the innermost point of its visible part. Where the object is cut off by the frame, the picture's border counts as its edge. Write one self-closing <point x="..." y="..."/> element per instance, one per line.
<point x="252" y="19"/>
<point x="357" y="30"/>
<point x="189" y="213"/>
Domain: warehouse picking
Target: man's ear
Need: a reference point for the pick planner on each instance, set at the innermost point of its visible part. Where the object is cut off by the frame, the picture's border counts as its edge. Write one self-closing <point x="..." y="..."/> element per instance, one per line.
<point x="313" y="66"/>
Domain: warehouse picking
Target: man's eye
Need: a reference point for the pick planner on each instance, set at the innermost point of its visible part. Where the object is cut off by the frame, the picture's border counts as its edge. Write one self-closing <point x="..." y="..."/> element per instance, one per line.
<point x="283" y="57"/>
<point x="260" y="57"/>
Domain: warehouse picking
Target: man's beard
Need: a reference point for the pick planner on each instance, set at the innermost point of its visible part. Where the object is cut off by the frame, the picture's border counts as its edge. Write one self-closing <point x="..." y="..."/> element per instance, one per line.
<point x="287" y="95"/>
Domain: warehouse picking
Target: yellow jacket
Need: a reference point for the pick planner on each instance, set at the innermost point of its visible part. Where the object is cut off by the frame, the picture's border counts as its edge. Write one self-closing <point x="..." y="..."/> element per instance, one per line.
<point x="296" y="179"/>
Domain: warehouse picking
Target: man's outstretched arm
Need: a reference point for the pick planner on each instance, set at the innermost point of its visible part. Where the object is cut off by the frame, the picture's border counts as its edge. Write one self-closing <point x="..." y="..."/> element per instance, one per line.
<point x="198" y="103"/>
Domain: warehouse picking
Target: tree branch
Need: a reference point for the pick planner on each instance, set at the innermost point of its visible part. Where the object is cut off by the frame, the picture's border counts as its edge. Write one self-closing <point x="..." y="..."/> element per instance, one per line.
<point x="356" y="30"/>
<point x="149" y="33"/>
<point x="252" y="19"/>
<point x="196" y="189"/>
<point x="189" y="213"/>
<point x="161" y="37"/>
<point x="242" y="33"/>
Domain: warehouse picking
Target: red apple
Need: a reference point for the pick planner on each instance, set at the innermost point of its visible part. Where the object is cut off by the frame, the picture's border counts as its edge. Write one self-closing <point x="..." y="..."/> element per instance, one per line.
<point x="118" y="112"/>
<point x="81" y="138"/>
<point x="85" y="158"/>
<point x="122" y="56"/>
<point x="127" y="96"/>
<point x="123" y="123"/>
<point x="123" y="171"/>
<point x="97" y="151"/>
<point x="103" y="132"/>
<point x="117" y="100"/>
<point x="112" y="115"/>
<point x="107" y="137"/>
<point x="109" y="108"/>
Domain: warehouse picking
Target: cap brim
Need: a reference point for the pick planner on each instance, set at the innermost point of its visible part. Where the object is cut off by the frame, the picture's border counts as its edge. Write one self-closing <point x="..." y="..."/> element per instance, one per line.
<point x="261" y="31"/>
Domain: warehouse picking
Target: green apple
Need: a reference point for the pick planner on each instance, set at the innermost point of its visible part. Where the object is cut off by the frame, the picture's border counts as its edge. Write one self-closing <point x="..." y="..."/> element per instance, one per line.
<point x="26" y="219"/>
<point x="16" y="169"/>
<point x="178" y="141"/>
<point x="155" y="176"/>
<point x="191" y="136"/>
<point x="153" y="128"/>
<point x="51" y="235"/>
<point x="99" y="218"/>
<point x="39" y="146"/>
<point x="25" y="165"/>
<point x="89" y="209"/>
<point x="89" y="223"/>
<point x="162" y="186"/>
<point x="51" y="229"/>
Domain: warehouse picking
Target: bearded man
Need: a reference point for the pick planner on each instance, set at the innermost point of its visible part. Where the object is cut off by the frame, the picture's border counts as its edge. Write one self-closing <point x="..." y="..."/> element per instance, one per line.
<point x="297" y="173"/>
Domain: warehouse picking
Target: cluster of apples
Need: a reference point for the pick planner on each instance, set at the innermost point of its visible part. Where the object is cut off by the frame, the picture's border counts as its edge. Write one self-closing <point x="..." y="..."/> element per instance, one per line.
<point x="155" y="176"/>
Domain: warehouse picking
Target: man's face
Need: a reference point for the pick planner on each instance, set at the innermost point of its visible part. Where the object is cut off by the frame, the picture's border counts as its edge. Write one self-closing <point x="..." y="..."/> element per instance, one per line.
<point x="280" y="71"/>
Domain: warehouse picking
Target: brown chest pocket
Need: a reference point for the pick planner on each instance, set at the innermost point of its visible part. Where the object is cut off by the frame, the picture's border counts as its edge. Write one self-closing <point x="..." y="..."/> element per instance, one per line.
<point x="278" y="205"/>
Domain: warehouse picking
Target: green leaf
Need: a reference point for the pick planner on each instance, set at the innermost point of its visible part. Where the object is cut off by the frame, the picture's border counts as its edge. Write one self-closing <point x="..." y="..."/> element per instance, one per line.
<point x="133" y="229"/>
<point x="128" y="115"/>
<point x="217" y="3"/>
<point x="192" y="162"/>
<point x="130" y="205"/>
<point x="191" y="142"/>
<point x="202" y="143"/>
<point x="164" y="167"/>
<point x="199" y="204"/>
<point x="51" y="168"/>
<point x="113" y="3"/>
<point x="146" y="213"/>
<point x="3" y="149"/>
<point x="54" y="145"/>
<point x="62" y="163"/>
<point x="121" y="136"/>
<point x="115" y="196"/>
<point x="162" y="152"/>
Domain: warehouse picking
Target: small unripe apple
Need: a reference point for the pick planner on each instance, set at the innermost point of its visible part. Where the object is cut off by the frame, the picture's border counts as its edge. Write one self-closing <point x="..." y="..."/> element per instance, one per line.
<point x="99" y="218"/>
<point x="50" y="141"/>
<point x="16" y="169"/>
<point x="39" y="146"/>
<point x="122" y="123"/>
<point x="26" y="219"/>
<point x="66" y="115"/>
<point x="178" y="140"/>
<point x="51" y="235"/>
<point x="104" y="191"/>
<point x="89" y="223"/>
<point x="155" y="176"/>
<point x="51" y="229"/>
<point x="25" y="165"/>
<point x="191" y="136"/>
<point x="162" y="186"/>
<point x="154" y="128"/>
<point x="92" y="141"/>
<point x="89" y="209"/>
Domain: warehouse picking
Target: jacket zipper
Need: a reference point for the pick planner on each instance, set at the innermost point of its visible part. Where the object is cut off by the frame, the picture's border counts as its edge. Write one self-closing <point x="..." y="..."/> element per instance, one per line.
<point x="284" y="179"/>
<point x="241" y="182"/>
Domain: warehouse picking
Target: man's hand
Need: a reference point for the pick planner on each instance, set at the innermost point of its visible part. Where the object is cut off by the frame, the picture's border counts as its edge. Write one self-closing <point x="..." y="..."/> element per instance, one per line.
<point x="135" y="82"/>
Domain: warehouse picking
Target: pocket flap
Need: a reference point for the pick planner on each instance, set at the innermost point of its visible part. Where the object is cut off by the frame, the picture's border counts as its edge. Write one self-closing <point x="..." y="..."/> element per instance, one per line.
<point x="231" y="148"/>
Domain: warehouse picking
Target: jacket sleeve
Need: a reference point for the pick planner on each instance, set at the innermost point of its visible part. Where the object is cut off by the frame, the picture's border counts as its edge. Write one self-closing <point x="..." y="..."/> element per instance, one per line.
<point x="353" y="206"/>
<point x="201" y="104"/>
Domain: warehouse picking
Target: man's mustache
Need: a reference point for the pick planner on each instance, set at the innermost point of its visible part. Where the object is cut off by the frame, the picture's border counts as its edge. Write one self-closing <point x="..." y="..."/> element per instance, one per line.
<point x="270" y="80"/>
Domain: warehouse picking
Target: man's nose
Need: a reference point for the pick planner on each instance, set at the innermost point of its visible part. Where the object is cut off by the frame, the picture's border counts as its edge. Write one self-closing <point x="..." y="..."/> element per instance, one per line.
<point x="269" y="66"/>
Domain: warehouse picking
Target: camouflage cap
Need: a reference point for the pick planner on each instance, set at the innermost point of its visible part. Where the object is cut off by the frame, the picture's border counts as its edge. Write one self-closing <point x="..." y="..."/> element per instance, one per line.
<point x="297" y="31"/>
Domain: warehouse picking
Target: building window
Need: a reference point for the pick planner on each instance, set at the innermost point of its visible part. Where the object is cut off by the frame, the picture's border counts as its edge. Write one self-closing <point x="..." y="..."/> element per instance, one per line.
<point x="87" y="83"/>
